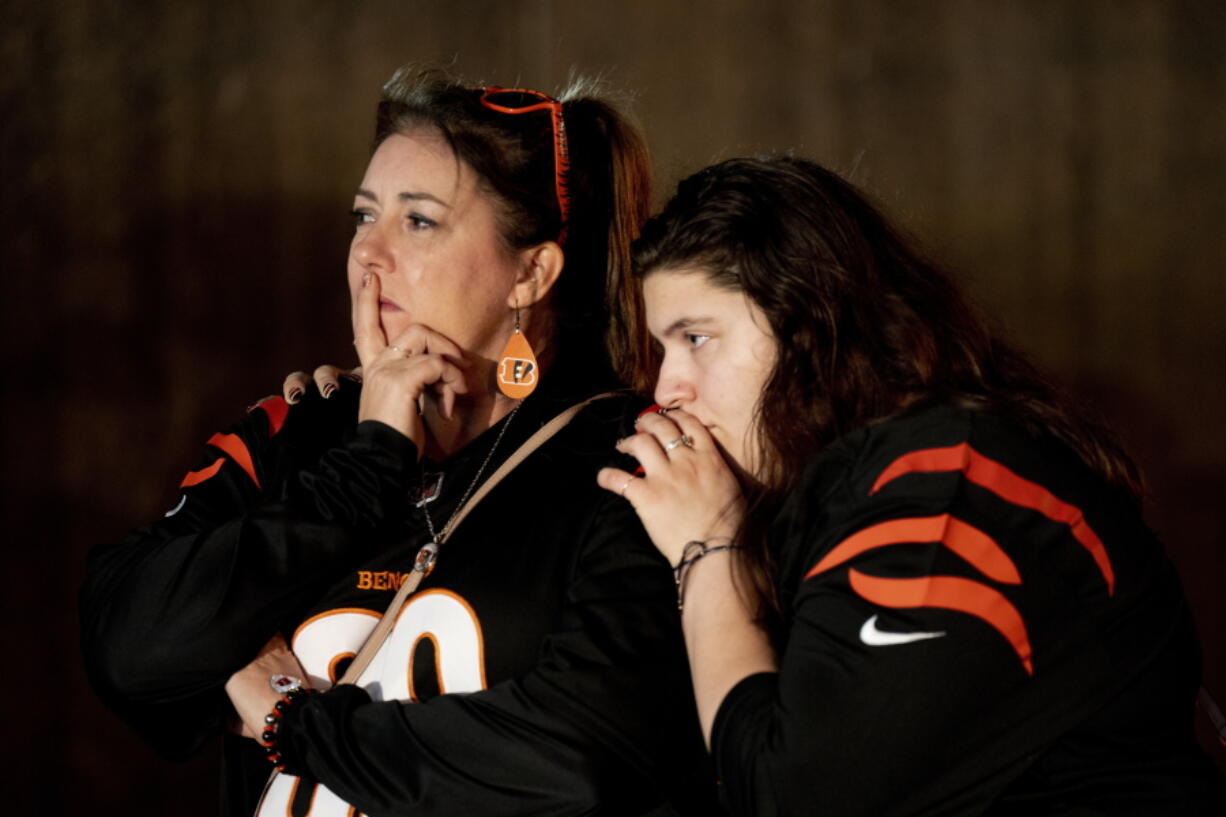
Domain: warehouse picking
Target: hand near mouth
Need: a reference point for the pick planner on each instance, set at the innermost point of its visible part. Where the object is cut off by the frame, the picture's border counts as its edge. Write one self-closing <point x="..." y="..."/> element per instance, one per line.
<point x="397" y="375"/>
<point x="687" y="492"/>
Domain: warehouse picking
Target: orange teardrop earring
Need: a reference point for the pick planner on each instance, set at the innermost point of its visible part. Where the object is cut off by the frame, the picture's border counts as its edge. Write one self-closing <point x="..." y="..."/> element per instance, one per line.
<point x="517" y="369"/>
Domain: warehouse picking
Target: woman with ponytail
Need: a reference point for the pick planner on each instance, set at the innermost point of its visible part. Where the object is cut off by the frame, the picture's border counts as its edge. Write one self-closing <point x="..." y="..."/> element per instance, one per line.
<point x="534" y="666"/>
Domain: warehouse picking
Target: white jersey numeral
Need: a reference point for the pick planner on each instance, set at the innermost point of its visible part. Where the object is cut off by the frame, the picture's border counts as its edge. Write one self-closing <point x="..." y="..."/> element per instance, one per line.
<point x="325" y="641"/>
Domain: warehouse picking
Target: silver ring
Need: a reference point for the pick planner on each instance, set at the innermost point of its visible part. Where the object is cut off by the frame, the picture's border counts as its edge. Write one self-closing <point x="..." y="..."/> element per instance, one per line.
<point x="684" y="439"/>
<point x="627" y="485"/>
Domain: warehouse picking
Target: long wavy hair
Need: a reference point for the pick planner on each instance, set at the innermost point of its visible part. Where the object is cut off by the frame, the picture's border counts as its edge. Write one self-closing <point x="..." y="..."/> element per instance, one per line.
<point x="866" y="326"/>
<point x="596" y="309"/>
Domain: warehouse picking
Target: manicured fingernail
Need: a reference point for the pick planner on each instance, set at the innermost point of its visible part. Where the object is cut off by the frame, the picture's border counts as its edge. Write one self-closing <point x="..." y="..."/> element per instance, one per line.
<point x="295" y="394"/>
<point x="328" y="389"/>
<point x="365" y="279"/>
<point x="654" y="408"/>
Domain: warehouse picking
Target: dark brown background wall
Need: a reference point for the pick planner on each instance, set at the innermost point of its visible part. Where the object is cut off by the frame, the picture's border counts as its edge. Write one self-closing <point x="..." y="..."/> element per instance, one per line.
<point x="175" y="186"/>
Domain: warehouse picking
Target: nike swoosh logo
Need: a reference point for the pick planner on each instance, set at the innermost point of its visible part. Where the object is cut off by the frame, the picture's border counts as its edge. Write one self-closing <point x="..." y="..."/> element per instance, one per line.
<point x="179" y="507"/>
<point x="874" y="637"/>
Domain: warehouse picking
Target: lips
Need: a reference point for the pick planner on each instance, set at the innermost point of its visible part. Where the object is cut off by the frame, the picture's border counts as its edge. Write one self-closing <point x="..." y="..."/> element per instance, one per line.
<point x="388" y="306"/>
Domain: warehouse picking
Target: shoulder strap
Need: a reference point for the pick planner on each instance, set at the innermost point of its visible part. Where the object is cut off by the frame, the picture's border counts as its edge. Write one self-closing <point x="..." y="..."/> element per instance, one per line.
<point x="381" y="631"/>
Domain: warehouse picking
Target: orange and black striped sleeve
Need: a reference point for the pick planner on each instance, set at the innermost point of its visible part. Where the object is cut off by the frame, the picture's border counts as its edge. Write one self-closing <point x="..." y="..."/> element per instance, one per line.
<point x="960" y="597"/>
<point x="279" y="506"/>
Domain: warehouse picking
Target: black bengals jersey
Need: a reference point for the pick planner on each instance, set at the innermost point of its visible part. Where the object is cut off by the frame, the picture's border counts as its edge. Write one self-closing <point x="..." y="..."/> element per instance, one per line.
<point x="539" y="669"/>
<point x="974" y="624"/>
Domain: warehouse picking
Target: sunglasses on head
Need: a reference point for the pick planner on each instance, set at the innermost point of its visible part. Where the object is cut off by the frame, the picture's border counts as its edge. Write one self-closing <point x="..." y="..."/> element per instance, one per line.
<point x="520" y="100"/>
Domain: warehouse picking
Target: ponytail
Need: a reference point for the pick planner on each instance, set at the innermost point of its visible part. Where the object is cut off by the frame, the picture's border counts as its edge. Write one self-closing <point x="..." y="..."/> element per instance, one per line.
<point x="628" y="202"/>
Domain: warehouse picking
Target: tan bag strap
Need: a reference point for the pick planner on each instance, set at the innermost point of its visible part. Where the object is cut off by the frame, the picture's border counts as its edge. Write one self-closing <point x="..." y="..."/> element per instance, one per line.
<point x="423" y="566"/>
<point x="427" y="556"/>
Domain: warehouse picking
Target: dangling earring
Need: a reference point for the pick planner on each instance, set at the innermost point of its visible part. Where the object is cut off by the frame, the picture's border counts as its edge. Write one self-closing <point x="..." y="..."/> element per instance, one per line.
<point x="517" y="367"/>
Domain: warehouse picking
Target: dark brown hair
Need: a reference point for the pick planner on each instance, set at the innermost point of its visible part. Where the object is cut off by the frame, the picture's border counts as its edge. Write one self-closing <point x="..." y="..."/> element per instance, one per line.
<point x="596" y="308"/>
<point x="866" y="326"/>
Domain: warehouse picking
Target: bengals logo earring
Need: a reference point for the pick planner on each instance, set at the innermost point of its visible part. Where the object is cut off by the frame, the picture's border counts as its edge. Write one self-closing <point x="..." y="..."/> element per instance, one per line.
<point x="517" y="369"/>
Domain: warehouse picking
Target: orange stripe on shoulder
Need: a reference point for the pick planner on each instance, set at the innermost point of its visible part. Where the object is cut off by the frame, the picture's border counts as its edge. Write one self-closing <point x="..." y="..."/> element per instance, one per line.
<point x="276" y="408"/>
<point x="950" y="593"/>
<point x="953" y="458"/>
<point x="990" y="474"/>
<point x="197" y="477"/>
<point x="233" y="445"/>
<point x="966" y="540"/>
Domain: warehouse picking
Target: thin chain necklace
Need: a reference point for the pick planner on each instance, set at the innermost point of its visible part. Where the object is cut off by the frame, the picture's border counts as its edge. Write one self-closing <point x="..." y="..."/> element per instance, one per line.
<point x="435" y="538"/>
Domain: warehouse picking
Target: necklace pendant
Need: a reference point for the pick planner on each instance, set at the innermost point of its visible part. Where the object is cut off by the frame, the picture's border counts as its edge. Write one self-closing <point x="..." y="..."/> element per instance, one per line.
<point x="428" y="491"/>
<point x="426" y="557"/>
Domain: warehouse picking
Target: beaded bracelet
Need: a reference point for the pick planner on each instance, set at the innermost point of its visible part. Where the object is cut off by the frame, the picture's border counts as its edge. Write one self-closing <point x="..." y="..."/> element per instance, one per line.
<point x="293" y="691"/>
<point x="691" y="553"/>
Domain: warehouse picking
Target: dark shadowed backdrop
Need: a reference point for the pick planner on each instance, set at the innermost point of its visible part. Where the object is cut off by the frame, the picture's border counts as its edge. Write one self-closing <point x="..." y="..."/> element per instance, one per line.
<point x="175" y="180"/>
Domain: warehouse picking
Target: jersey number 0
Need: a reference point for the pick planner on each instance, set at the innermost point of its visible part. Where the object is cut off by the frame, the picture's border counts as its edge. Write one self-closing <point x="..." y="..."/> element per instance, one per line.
<point x="324" y="642"/>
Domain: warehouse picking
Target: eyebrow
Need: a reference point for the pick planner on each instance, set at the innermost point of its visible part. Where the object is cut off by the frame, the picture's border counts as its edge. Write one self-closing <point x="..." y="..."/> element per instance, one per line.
<point x="683" y="323"/>
<point x="416" y="196"/>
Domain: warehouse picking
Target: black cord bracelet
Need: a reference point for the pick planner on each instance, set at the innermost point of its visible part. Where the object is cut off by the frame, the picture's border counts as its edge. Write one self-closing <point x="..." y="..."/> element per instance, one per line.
<point x="691" y="553"/>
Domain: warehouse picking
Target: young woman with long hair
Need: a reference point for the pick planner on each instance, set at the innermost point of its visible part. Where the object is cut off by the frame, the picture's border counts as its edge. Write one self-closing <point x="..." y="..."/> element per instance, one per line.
<point x="914" y="578"/>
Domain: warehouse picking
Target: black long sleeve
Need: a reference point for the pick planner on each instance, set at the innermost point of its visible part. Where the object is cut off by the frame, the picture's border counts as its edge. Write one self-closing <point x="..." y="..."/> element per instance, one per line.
<point x="538" y="669"/>
<point x="168" y="614"/>
<point x="975" y="624"/>
<point x="580" y="732"/>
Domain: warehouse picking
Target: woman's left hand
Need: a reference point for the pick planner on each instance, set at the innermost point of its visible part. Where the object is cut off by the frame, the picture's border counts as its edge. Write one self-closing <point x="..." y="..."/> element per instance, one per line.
<point x="687" y="492"/>
<point x="250" y="689"/>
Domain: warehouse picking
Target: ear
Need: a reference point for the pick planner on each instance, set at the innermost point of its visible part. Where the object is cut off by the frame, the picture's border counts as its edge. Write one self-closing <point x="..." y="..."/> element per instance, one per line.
<point x="539" y="269"/>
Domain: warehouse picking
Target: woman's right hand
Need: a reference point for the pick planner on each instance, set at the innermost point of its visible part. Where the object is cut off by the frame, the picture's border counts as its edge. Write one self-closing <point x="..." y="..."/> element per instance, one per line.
<point x="325" y="378"/>
<point x="687" y="492"/>
<point x="397" y="375"/>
